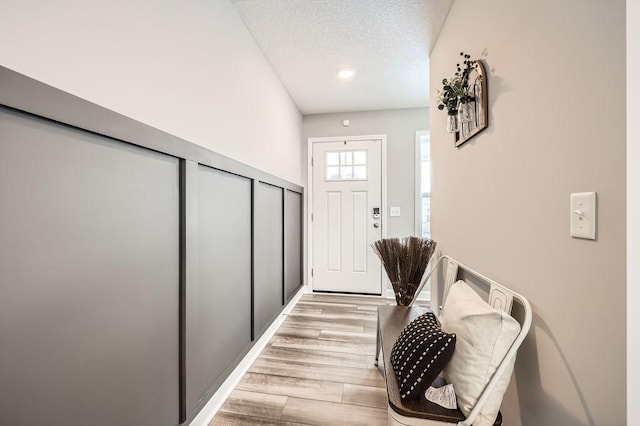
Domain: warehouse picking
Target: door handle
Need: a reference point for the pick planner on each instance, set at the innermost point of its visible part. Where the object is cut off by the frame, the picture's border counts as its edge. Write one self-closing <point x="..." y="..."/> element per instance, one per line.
<point x="376" y="225"/>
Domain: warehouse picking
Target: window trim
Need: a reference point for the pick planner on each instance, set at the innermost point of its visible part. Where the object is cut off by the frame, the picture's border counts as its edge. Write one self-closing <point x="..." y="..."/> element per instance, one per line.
<point x="417" y="199"/>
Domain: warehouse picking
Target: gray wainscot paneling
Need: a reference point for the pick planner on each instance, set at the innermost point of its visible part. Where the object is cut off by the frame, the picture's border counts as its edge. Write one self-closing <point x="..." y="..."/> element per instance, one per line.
<point x="89" y="272"/>
<point x="135" y="267"/>
<point x="293" y="243"/>
<point x="268" y="255"/>
<point x="219" y="293"/>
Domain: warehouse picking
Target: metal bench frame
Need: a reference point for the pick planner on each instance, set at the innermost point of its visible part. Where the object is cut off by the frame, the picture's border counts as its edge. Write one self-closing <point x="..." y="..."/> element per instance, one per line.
<point x="500" y="297"/>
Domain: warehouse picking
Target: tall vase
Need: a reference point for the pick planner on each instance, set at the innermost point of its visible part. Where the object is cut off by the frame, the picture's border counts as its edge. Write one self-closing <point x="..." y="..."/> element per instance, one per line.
<point x="452" y="121"/>
<point x="404" y="293"/>
<point x="465" y="112"/>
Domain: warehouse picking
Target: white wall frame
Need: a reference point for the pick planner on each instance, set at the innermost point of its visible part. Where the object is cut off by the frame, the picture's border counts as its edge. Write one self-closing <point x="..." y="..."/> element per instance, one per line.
<point x="310" y="142"/>
<point x="425" y="294"/>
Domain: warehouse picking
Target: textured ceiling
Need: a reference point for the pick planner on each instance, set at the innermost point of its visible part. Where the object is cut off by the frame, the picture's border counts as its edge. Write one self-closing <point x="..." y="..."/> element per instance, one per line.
<point x="387" y="42"/>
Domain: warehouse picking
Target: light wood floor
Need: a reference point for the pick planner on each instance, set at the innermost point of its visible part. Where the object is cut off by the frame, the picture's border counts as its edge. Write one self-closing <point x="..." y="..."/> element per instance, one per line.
<point x="317" y="370"/>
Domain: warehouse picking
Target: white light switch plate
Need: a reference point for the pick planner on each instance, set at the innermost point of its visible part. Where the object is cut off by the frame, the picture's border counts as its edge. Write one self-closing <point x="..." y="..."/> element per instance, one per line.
<point x="394" y="211"/>
<point x="583" y="215"/>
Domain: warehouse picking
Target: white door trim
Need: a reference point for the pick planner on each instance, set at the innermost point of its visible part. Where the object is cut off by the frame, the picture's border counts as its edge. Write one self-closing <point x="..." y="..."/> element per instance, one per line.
<point x="310" y="142"/>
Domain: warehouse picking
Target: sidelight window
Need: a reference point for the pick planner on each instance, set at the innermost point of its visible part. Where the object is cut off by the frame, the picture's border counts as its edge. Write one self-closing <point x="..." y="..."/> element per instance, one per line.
<point x="423" y="184"/>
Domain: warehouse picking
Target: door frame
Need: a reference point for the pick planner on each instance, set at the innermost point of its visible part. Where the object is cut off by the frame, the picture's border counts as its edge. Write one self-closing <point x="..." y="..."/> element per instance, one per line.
<point x="309" y="203"/>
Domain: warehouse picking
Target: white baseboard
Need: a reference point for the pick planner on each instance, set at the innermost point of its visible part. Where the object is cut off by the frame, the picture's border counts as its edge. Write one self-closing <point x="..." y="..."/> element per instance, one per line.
<point x="424" y="296"/>
<point x="207" y="413"/>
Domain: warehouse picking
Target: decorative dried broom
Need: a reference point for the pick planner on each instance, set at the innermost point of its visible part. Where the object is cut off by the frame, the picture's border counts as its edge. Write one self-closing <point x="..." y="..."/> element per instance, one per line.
<point x="405" y="262"/>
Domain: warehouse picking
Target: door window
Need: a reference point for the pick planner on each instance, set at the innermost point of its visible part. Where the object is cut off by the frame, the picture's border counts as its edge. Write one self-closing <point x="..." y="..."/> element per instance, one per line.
<point x="345" y="165"/>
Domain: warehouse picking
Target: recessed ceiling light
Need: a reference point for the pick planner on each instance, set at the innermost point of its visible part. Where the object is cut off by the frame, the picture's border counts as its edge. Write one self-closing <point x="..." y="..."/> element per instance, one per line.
<point x="346" y="73"/>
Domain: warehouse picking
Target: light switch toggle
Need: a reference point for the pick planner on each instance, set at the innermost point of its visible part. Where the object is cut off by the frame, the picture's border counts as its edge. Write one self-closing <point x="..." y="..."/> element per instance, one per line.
<point x="583" y="215"/>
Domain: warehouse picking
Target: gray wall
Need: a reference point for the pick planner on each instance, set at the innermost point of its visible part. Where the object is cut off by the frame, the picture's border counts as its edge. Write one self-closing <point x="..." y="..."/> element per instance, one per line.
<point x="501" y="202"/>
<point x="89" y="271"/>
<point x="293" y="243"/>
<point x="219" y="295"/>
<point x="633" y="211"/>
<point x="130" y="261"/>
<point x="400" y="126"/>
<point x="268" y="254"/>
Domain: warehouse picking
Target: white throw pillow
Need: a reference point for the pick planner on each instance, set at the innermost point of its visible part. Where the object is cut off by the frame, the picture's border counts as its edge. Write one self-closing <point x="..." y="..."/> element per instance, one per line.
<point x="484" y="335"/>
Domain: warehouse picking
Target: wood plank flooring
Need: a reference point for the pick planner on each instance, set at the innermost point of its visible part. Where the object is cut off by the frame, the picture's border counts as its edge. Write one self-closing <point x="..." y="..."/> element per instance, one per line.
<point x="317" y="370"/>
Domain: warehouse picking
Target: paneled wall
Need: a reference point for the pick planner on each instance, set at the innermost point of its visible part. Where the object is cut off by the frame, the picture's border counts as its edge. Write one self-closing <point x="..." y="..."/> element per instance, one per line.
<point x="136" y="269"/>
<point x="220" y="293"/>
<point x="293" y="243"/>
<point x="89" y="267"/>
<point x="269" y="255"/>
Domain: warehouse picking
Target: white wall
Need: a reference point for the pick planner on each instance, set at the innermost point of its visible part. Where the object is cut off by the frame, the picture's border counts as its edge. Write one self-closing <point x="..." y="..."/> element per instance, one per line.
<point x="501" y="202"/>
<point x="190" y="68"/>
<point x="633" y="211"/>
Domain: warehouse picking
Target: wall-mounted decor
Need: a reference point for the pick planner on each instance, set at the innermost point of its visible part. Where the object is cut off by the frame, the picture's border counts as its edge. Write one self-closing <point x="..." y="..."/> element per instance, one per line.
<point x="464" y="96"/>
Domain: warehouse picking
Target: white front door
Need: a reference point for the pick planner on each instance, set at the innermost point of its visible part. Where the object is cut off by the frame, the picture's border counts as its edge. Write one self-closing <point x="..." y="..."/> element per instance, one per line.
<point x="347" y="215"/>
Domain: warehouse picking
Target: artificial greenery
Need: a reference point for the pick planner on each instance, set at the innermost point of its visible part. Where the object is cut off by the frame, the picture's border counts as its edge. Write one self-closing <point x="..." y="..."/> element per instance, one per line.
<point x="455" y="89"/>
